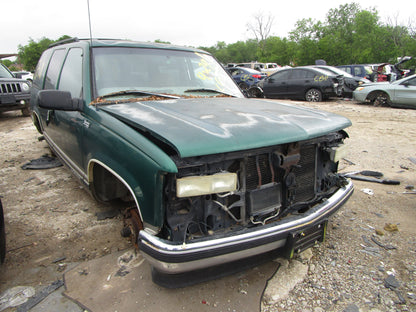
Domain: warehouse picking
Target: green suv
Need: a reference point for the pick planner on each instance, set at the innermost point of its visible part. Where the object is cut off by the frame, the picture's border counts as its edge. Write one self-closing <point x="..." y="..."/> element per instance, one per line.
<point x="205" y="175"/>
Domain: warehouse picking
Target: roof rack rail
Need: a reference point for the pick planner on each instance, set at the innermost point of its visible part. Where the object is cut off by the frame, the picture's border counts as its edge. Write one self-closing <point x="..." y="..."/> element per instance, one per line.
<point x="69" y="40"/>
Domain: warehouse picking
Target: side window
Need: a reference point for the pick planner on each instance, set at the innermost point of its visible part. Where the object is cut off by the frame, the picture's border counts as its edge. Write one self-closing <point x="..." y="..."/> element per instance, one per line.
<point x="55" y="65"/>
<point x="298" y="74"/>
<point x="412" y="82"/>
<point x="348" y="70"/>
<point x="234" y="72"/>
<point x="41" y="68"/>
<point x="357" y="71"/>
<point x="71" y="76"/>
<point x="309" y="74"/>
<point x="281" y="75"/>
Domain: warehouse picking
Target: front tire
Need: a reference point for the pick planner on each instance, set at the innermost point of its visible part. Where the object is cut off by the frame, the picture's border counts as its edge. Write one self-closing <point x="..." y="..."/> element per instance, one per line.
<point x="313" y="95"/>
<point x="26" y="112"/>
<point x="381" y="99"/>
<point x="255" y="92"/>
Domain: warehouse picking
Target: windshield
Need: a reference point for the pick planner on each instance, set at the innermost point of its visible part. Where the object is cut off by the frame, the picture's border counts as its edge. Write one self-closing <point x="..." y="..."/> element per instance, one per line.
<point x="4" y="73"/>
<point x="161" y="71"/>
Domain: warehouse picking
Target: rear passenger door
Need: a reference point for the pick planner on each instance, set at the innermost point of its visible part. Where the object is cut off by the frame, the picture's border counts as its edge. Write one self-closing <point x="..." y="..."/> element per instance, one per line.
<point x="300" y="81"/>
<point x="64" y="129"/>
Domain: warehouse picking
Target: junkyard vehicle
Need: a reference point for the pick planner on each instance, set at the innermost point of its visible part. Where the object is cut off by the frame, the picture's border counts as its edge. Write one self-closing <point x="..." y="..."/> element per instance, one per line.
<point x="206" y="175"/>
<point x="389" y="72"/>
<point x="359" y="70"/>
<point x="400" y="93"/>
<point x="267" y="68"/>
<point x="245" y="77"/>
<point x="305" y="83"/>
<point x="350" y="82"/>
<point x="14" y="93"/>
<point x="270" y="68"/>
<point x="24" y="75"/>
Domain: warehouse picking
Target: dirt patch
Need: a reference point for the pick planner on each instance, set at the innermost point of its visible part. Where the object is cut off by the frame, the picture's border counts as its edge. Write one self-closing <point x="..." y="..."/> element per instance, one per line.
<point x="50" y="218"/>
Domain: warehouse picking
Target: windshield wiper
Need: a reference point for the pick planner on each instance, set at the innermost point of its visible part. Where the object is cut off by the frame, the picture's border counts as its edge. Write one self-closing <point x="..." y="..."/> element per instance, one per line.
<point x="207" y="90"/>
<point x="137" y="92"/>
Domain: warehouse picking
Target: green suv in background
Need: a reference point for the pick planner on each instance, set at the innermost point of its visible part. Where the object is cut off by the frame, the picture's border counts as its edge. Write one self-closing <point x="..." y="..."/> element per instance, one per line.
<point x="205" y="175"/>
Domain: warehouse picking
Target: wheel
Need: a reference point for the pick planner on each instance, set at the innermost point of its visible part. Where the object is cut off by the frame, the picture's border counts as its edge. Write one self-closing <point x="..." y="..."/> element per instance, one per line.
<point x="313" y="95"/>
<point x="381" y="99"/>
<point x="26" y="112"/>
<point x="243" y="86"/>
<point x="255" y="92"/>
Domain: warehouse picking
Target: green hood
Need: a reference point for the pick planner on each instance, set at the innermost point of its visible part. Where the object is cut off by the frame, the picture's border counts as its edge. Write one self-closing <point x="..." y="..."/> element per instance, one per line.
<point x="203" y="126"/>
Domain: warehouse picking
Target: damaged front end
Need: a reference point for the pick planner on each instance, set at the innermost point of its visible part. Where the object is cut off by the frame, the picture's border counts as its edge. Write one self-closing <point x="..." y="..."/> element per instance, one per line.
<point x="233" y="205"/>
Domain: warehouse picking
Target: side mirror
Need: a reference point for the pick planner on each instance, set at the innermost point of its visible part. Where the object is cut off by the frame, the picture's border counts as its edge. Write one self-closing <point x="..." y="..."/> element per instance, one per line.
<point x="59" y="100"/>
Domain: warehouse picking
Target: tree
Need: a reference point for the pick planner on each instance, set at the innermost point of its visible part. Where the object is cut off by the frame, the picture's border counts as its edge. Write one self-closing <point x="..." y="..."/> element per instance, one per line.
<point x="29" y="54"/>
<point x="260" y="27"/>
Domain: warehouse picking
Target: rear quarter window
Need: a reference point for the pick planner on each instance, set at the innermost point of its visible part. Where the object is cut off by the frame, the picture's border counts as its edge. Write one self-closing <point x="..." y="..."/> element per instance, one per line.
<point x="41" y="69"/>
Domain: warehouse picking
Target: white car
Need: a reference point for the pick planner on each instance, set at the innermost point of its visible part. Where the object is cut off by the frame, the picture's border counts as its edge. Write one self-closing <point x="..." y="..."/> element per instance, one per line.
<point x="24" y="75"/>
<point x="400" y="93"/>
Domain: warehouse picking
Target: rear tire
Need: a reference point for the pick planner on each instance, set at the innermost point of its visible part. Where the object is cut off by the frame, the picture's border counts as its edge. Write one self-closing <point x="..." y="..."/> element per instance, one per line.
<point x="243" y="86"/>
<point x="313" y="95"/>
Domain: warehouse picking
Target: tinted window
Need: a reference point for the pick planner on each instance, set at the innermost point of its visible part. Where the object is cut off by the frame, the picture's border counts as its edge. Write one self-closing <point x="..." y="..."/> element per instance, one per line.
<point x="71" y="76"/>
<point x="281" y="75"/>
<point x="310" y="74"/>
<point x="298" y="74"/>
<point x="53" y="70"/>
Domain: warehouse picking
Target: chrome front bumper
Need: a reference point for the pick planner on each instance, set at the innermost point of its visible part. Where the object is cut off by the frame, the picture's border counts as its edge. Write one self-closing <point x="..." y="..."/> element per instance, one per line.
<point x="168" y="257"/>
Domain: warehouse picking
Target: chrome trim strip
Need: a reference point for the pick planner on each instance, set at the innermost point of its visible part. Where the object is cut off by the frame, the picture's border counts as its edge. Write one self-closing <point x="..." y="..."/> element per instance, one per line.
<point x="173" y="268"/>
<point x="166" y="248"/>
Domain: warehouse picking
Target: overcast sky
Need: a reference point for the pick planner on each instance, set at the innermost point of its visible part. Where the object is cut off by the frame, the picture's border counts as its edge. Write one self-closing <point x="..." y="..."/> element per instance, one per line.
<point x="182" y="22"/>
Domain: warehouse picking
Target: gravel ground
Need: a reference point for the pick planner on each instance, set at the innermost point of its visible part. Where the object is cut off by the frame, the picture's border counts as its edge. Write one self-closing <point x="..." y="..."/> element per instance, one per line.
<point x="366" y="265"/>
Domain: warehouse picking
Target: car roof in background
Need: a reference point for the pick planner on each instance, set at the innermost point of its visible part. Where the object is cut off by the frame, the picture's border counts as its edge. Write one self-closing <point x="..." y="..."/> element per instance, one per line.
<point x="320" y="70"/>
<point x="250" y="70"/>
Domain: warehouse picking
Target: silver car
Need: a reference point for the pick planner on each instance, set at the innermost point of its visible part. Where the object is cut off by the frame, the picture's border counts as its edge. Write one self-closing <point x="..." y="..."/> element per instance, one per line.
<point x="400" y="93"/>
